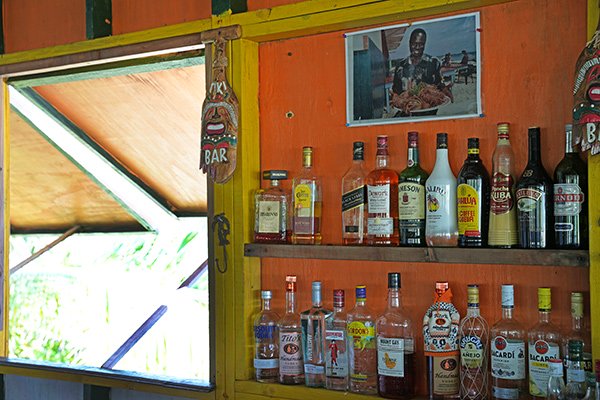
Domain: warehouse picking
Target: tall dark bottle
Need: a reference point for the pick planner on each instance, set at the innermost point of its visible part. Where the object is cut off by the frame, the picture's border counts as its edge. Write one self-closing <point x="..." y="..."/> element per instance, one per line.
<point x="534" y="199"/>
<point x="570" y="198"/>
<point x="473" y="199"/>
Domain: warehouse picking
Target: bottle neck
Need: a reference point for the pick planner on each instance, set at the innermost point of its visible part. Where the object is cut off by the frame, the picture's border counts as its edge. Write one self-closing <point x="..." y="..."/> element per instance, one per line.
<point x="544" y="316"/>
<point x="473" y="310"/>
<point x="441" y="159"/>
<point x="534" y="150"/>
<point x="274" y="183"/>
<point x="381" y="161"/>
<point x="507" y="312"/>
<point x="569" y="147"/>
<point x="413" y="156"/>
<point x="576" y="323"/>
<point x="338" y="309"/>
<point x="361" y="302"/>
<point x="266" y="304"/>
<point x="316" y="298"/>
<point x="290" y="302"/>
<point x="393" y="298"/>
<point x="473" y="156"/>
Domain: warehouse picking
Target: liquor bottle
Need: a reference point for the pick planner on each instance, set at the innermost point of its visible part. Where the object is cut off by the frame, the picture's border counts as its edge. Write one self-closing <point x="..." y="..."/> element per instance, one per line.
<point x="411" y="197"/>
<point x="597" y="386"/>
<point x="534" y="199"/>
<point x="556" y="383"/>
<point x="291" y="367"/>
<point x="544" y="344"/>
<point x="336" y="345"/>
<point x="570" y="198"/>
<point x="313" y="339"/>
<point x="353" y="198"/>
<point x="272" y="205"/>
<point x="474" y="342"/>
<point x="576" y="382"/>
<point x="266" y="345"/>
<point x="578" y="332"/>
<point x="306" y="191"/>
<point x="362" y="354"/>
<point x="440" y="226"/>
<point x="440" y="333"/>
<point x="503" y="214"/>
<point x="382" y="200"/>
<point x="473" y="199"/>
<point x="395" y="347"/>
<point x="509" y="379"/>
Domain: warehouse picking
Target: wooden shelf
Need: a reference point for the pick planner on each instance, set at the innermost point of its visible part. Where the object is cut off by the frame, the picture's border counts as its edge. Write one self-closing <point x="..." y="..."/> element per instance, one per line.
<point x="446" y="255"/>
<point x="294" y="392"/>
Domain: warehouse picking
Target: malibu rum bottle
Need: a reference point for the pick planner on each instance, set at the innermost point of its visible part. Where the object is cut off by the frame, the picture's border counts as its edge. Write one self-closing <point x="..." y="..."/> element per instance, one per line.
<point x="411" y="197"/>
<point x="306" y="192"/>
<point x="354" y="198"/>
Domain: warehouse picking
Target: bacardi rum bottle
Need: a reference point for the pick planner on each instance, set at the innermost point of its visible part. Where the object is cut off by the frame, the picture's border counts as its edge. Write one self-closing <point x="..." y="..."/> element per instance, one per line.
<point x="508" y="352"/>
<point x="354" y="198"/>
<point x="306" y="192"/>
<point x="474" y="339"/>
<point x="266" y="343"/>
<point x="440" y="334"/>
<point x="544" y="345"/>
<point x="291" y="367"/>
<point x="395" y="347"/>
<point x="313" y="339"/>
<point x="336" y="366"/>
<point x="272" y="210"/>
<point x="362" y="352"/>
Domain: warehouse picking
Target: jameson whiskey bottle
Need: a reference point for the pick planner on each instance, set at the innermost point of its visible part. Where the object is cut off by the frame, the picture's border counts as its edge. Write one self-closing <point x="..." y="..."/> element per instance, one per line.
<point x="411" y="197"/>
<point x="306" y="191"/>
<point x="570" y="198"/>
<point x="272" y="208"/>
<point x="503" y="214"/>
<point x="440" y="334"/>
<point x="354" y="199"/>
<point x="473" y="199"/>
<point x="534" y="199"/>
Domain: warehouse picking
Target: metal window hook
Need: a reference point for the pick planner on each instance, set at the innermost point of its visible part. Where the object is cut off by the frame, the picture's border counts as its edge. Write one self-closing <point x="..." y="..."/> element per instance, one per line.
<point x="223" y="230"/>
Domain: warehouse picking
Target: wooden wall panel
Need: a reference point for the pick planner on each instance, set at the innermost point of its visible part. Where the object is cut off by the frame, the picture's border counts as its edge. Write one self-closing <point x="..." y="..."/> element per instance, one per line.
<point x="21" y="387"/>
<point x="33" y="24"/>
<point x="527" y="77"/>
<point x="258" y="4"/>
<point x="137" y="15"/>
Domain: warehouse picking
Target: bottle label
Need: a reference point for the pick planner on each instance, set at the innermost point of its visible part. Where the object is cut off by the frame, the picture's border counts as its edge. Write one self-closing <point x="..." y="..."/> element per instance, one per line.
<point x="380" y="226"/>
<point x="353" y="199"/>
<point x="314" y="369"/>
<point x="445" y="375"/>
<point x="471" y="351"/>
<point x="440" y="328"/>
<point x="505" y="393"/>
<point x="260" y="363"/>
<point x="508" y="358"/>
<point x="528" y="199"/>
<point x="568" y="198"/>
<point x="411" y="201"/>
<point x="262" y="332"/>
<point x="390" y="356"/>
<point x="290" y="356"/>
<point x="379" y="199"/>
<point x="468" y="211"/>
<point x="336" y="361"/>
<point x="362" y="334"/>
<point x="268" y="217"/>
<point x="303" y="200"/>
<point x="539" y="370"/>
<point x="501" y="199"/>
<point x="575" y="372"/>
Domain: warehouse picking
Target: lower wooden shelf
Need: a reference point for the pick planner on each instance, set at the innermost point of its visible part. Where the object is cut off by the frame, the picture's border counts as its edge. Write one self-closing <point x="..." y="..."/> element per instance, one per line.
<point x="446" y="255"/>
<point x="293" y="392"/>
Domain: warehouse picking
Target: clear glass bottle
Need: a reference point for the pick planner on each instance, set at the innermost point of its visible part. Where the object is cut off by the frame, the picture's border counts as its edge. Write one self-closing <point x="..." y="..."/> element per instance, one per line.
<point x="597" y="389"/>
<point x="271" y="210"/>
<point x="395" y="347"/>
<point x="440" y="334"/>
<point x="576" y="383"/>
<point x="382" y="200"/>
<point x="544" y="344"/>
<point x="474" y="342"/>
<point x="266" y="343"/>
<point x="307" y="203"/>
<point x="411" y="197"/>
<point x="336" y="345"/>
<point x="291" y="367"/>
<point x="362" y="352"/>
<point x="313" y="339"/>
<point x="503" y="213"/>
<point x="580" y="332"/>
<point x="508" y="354"/>
<point x="441" y="225"/>
<point x="354" y="198"/>
<point x="556" y="384"/>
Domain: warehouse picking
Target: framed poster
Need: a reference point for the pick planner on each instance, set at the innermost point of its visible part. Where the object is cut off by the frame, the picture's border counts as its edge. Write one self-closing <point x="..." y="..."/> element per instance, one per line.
<point x="424" y="71"/>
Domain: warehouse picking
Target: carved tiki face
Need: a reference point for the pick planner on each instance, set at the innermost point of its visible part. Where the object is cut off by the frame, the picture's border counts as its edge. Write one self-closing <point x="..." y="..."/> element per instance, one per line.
<point x="586" y="94"/>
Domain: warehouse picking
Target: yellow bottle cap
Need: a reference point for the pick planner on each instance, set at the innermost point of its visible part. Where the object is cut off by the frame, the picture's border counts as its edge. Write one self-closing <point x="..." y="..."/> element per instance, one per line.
<point x="544" y="299"/>
<point x="473" y="296"/>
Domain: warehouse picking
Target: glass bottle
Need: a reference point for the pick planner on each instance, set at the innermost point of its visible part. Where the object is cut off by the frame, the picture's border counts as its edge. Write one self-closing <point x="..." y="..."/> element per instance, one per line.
<point x="440" y="334"/>
<point x="570" y="198"/>
<point x="313" y="339"/>
<point x="473" y="199"/>
<point x="354" y="198"/>
<point x="362" y="354"/>
<point x="544" y="344"/>
<point x="291" y="367"/>
<point x="395" y="347"/>
<point x="597" y="389"/>
<point x="576" y="382"/>
<point x="266" y="344"/>
<point x="336" y="345"/>
<point x="556" y="384"/>
<point x="306" y="191"/>
<point x="580" y="332"/>
<point x="272" y="205"/>
<point x="382" y="200"/>
<point x="441" y="227"/>
<point x="534" y="199"/>
<point x="411" y="197"/>
<point x="509" y="379"/>
<point x="474" y="342"/>
<point x="503" y="214"/>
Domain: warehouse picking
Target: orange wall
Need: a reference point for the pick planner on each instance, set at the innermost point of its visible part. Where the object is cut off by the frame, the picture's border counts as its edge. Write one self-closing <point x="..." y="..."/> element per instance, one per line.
<point x="527" y="74"/>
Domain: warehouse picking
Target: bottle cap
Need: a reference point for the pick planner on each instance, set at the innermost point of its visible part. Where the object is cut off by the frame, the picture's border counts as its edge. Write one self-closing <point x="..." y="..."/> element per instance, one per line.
<point x="503" y="130"/>
<point x="473" y="145"/>
<point x="290" y="283"/>
<point x="361" y="292"/>
<point x="441" y="286"/>
<point x="275" y="175"/>
<point x="413" y="139"/>
<point x="556" y="367"/>
<point x="568" y="127"/>
<point x="533" y="132"/>
<point x="358" y="151"/>
<point x="316" y="292"/>
<point x="544" y="299"/>
<point x="508" y="296"/>
<point x="472" y="296"/>
<point x="307" y="156"/>
<point x="265" y="294"/>
<point x="442" y="140"/>
<point x="394" y="280"/>
<point x="339" y="298"/>
<point x="577" y="304"/>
